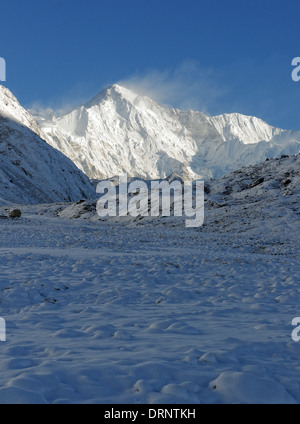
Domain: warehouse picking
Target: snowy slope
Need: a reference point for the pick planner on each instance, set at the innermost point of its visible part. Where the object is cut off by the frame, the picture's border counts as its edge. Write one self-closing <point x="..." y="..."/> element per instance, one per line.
<point x="31" y="171"/>
<point x="119" y="131"/>
<point x="266" y="191"/>
<point x="150" y="312"/>
<point x="247" y="129"/>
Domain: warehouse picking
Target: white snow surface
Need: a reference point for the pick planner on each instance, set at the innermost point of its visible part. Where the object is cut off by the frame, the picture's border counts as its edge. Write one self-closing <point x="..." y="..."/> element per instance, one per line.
<point x="129" y="310"/>
<point x="119" y="131"/>
<point x="31" y="171"/>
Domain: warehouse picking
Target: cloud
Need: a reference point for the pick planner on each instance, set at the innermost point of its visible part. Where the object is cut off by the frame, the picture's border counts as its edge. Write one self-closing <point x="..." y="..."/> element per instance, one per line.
<point x="66" y="101"/>
<point x="188" y="86"/>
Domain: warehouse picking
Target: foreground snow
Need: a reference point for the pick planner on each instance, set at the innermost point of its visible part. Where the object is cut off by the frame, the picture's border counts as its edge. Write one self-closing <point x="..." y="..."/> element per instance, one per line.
<point x="147" y="311"/>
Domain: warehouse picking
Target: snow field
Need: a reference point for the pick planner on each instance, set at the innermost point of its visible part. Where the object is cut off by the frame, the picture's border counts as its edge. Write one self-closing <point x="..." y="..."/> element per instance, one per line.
<point x="129" y="310"/>
<point x="101" y="312"/>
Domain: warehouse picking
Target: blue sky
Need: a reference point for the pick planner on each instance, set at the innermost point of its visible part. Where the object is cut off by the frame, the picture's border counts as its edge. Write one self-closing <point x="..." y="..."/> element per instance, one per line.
<point x="218" y="56"/>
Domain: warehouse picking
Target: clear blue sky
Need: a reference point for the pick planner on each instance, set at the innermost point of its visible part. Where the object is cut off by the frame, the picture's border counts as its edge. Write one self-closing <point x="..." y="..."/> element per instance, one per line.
<point x="221" y="55"/>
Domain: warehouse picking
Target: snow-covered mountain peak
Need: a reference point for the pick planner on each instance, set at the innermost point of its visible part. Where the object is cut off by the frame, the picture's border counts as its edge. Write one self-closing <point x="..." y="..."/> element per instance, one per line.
<point x="121" y="131"/>
<point x="122" y="92"/>
<point x="115" y="93"/>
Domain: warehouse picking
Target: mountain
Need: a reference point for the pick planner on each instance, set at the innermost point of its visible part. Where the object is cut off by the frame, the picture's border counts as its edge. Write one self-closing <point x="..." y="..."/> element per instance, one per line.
<point x="120" y="131"/>
<point x="31" y="171"/>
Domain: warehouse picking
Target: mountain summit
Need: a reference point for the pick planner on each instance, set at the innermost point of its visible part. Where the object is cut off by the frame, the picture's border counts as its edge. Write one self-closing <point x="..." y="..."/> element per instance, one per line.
<point x="120" y="131"/>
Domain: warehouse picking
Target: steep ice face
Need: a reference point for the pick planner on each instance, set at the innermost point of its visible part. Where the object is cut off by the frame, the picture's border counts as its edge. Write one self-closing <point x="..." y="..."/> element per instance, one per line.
<point x="31" y="171"/>
<point x="247" y="129"/>
<point x="120" y="131"/>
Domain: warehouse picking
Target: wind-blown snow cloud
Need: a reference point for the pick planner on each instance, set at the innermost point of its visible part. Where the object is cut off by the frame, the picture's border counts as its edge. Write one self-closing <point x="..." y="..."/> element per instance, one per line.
<point x="188" y="86"/>
<point x="65" y="102"/>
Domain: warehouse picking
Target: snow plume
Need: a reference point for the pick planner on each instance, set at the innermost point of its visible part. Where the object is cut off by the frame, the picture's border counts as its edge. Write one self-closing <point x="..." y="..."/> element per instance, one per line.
<point x="188" y="86"/>
<point x="37" y="110"/>
<point x="53" y="109"/>
<point x="63" y="103"/>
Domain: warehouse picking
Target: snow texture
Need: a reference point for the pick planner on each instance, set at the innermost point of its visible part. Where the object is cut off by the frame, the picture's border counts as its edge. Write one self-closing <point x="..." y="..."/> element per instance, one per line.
<point x="129" y="310"/>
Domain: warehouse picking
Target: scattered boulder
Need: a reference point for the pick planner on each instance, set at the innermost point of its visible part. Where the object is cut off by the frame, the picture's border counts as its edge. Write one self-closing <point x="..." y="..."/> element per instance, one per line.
<point x="15" y="213"/>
